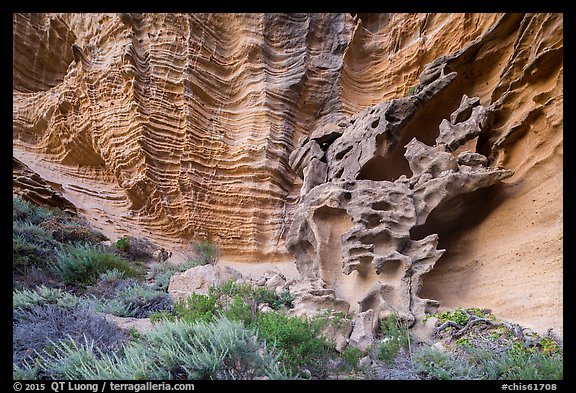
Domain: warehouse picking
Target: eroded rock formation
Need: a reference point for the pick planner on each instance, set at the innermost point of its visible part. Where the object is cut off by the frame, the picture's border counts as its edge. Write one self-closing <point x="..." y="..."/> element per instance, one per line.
<point x="179" y="127"/>
<point x="32" y="187"/>
<point x="353" y="230"/>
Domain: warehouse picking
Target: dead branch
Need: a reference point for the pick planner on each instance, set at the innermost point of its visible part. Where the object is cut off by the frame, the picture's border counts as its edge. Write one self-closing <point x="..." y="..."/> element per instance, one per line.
<point x="448" y="324"/>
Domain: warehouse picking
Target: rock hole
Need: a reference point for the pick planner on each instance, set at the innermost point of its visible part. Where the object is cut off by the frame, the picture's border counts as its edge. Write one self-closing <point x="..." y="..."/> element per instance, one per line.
<point x="373" y="220"/>
<point x="375" y="123"/>
<point x="342" y="153"/>
<point x="381" y="205"/>
<point x="392" y="269"/>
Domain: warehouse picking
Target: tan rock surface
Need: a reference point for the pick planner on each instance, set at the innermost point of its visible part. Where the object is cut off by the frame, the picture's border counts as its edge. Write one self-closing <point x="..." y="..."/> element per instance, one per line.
<point x="199" y="279"/>
<point x="365" y="231"/>
<point x="33" y="188"/>
<point x="179" y="127"/>
<point x="141" y="325"/>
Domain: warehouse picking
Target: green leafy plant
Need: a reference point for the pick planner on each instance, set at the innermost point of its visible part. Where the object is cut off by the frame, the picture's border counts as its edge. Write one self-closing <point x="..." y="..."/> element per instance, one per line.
<point x="123" y="244"/>
<point x="395" y="335"/>
<point x="29" y="298"/>
<point x="437" y="364"/>
<point x="239" y="310"/>
<point x="488" y="348"/>
<point x="352" y="356"/>
<point x="206" y="252"/>
<point x="297" y="339"/>
<point x="252" y="295"/>
<point x="134" y="333"/>
<point x="83" y="264"/>
<point x="335" y="319"/>
<point x="23" y="210"/>
<point x="196" y="307"/>
<point x="219" y="349"/>
<point x="32" y="246"/>
<point x="461" y="316"/>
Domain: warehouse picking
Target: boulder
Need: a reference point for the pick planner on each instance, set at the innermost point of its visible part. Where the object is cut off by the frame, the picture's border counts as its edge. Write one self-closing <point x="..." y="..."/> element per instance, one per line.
<point x="339" y="333"/>
<point x="363" y="333"/>
<point x="198" y="279"/>
<point x="276" y="283"/>
<point x="141" y="325"/>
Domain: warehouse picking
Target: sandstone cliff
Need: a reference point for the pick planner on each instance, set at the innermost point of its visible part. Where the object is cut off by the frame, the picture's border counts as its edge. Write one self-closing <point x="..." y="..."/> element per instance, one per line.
<point x="180" y="127"/>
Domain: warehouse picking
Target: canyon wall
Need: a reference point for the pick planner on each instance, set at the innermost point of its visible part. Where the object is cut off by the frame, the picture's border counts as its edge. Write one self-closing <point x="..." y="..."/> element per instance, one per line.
<point x="179" y="127"/>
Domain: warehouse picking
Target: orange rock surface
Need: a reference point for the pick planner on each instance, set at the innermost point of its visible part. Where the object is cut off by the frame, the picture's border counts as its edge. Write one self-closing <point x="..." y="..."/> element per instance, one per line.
<point x="178" y="127"/>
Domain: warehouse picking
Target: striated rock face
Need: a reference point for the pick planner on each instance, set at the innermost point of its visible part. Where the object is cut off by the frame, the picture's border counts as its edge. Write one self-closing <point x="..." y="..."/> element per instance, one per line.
<point x="180" y="127"/>
<point x="33" y="188"/>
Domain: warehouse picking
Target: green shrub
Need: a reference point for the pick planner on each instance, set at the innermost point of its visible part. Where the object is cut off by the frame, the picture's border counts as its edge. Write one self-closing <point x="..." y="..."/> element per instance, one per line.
<point x="518" y="362"/>
<point x="32" y="233"/>
<point x="239" y="310"/>
<point x="533" y="366"/>
<point x="395" y="335"/>
<point x="24" y="372"/>
<point x="33" y="214"/>
<point x="499" y="350"/>
<point x="437" y="364"/>
<point x="461" y="316"/>
<point x="32" y="246"/>
<point x="251" y="296"/>
<point x="196" y="307"/>
<point x="69" y="360"/>
<point x="36" y="234"/>
<point x="494" y="353"/>
<point x="83" y="264"/>
<point x="352" y="356"/>
<point x="73" y="230"/>
<point x="236" y="301"/>
<point x="206" y="252"/>
<point x="138" y="301"/>
<point x="36" y="329"/>
<point x="335" y="319"/>
<point x="27" y="298"/>
<point x="77" y="361"/>
<point x="411" y="91"/>
<point x="26" y="255"/>
<point x="470" y="362"/>
<point x="219" y="349"/>
<point x="123" y="244"/>
<point x="113" y="275"/>
<point x="297" y="339"/>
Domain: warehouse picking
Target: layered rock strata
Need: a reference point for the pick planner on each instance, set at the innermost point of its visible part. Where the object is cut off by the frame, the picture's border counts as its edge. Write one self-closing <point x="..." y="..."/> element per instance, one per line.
<point x="33" y="188"/>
